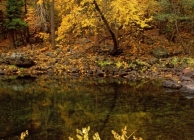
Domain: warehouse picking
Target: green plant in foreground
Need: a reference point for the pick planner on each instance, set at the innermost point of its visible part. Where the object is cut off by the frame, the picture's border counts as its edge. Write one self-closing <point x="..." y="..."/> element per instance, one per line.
<point x="83" y="134"/>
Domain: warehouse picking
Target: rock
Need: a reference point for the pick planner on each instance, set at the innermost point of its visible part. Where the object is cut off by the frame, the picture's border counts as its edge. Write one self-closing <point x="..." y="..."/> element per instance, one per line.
<point x="185" y="78"/>
<point x="160" y="52"/>
<point x="19" y="60"/>
<point x="171" y="84"/>
<point x="186" y="70"/>
<point x="189" y="74"/>
<point x="187" y="87"/>
<point x="186" y="75"/>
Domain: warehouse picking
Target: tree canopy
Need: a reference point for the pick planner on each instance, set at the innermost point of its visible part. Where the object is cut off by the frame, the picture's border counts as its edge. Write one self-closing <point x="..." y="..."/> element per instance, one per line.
<point x="90" y="16"/>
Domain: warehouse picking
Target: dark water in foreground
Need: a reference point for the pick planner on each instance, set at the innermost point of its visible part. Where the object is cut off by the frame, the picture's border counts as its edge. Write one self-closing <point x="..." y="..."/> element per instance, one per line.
<point x="53" y="108"/>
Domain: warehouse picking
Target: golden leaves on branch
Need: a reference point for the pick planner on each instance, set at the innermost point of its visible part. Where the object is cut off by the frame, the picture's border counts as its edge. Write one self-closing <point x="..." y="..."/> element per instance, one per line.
<point x="80" y="18"/>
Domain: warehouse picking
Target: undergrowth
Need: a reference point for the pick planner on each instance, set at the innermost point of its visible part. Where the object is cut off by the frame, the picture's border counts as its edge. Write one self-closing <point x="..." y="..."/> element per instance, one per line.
<point x="83" y="134"/>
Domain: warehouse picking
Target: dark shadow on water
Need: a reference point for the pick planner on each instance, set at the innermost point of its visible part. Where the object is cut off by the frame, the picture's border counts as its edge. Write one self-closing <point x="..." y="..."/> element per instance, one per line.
<point x="114" y="85"/>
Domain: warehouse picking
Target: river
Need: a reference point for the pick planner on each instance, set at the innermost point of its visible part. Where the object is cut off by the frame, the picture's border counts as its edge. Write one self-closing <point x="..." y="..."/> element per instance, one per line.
<point x="52" y="108"/>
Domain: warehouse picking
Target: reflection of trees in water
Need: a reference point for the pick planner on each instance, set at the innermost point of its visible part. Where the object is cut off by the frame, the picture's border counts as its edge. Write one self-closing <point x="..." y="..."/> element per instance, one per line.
<point x="17" y="83"/>
<point x="14" y="112"/>
<point x="54" y="108"/>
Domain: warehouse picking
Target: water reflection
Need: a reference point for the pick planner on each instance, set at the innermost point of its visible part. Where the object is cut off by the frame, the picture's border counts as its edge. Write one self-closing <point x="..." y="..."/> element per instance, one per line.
<point x="53" y="108"/>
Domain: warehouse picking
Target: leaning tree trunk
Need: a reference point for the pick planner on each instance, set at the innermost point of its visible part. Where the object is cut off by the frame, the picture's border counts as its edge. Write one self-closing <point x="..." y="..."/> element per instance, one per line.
<point x="114" y="38"/>
<point x="11" y="38"/>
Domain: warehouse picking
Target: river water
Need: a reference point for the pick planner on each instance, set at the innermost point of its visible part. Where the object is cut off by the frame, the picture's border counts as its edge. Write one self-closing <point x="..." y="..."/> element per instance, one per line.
<point x="53" y="108"/>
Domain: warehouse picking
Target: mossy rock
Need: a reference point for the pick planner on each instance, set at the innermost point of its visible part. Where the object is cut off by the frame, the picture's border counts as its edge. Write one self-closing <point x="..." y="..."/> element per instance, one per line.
<point x="19" y="60"/>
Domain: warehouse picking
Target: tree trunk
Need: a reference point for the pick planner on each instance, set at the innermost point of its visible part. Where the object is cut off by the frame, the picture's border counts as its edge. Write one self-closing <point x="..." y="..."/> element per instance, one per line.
<point x="25" y="6"/>
<point x="114" y="38"/>
<point x="117" y="35"/>
<point x="11" y="38"/>
<point x="52" y="25"/>
<point x="27" y="32"/>
<point x="96" y="39"/>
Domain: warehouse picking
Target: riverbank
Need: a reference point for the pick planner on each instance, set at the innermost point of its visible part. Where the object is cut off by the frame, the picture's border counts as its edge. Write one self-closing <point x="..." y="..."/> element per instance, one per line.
<point x="91" y="61"/>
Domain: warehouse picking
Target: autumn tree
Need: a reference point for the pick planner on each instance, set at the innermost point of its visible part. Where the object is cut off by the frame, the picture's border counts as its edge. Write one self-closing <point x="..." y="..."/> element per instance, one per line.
<point x="45" y="22"/>
<point x="41" y="16"/>
<point x="113" y="35"/>
<point x="89" y="16"/>
<point x="14" y="19"/>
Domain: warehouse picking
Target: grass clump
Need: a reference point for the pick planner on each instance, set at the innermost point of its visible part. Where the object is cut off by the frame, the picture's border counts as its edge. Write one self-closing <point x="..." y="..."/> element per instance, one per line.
<point x="83" y="134"/>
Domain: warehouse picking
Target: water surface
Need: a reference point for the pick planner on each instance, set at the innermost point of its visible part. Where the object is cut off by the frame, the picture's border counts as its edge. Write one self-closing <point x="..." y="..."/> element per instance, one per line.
<point x="53" y="108"/>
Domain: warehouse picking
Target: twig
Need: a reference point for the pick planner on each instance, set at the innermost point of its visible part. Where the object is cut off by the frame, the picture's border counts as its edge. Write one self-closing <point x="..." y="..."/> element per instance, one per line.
<point x="132" y="133"/>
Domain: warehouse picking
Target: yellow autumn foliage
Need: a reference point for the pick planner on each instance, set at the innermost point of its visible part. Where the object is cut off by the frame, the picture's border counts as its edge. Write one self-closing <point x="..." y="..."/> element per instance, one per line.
<point x="39" y="2"/>
<point x="81" y="17"/>
<point x="44" y="36"/>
